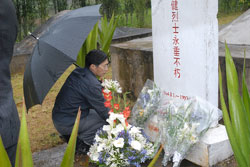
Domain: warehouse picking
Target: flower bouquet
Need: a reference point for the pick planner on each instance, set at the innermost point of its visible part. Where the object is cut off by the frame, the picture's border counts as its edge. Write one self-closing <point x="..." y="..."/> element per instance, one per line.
<point x="110" y="90"/>
<point x="118" y="144"/>
<point x="182" y="123"/>
<point x="146" y="104"/>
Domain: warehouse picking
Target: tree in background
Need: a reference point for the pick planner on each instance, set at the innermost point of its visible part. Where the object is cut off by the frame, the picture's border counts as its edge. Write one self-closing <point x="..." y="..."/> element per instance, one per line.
<point x="229" y="6"/>
<point x="139" y="11"/>
<point x="129" y="9"/>
<point x="109" y="7"/>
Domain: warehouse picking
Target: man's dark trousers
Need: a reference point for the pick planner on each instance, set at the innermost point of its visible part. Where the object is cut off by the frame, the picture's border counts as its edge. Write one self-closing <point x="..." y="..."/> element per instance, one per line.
<point x="9" y="120"/>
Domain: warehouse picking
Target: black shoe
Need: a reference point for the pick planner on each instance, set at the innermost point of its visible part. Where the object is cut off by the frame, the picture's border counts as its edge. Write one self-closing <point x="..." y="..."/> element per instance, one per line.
<point x="81" y="147"/>
<point x="65" y="138"/>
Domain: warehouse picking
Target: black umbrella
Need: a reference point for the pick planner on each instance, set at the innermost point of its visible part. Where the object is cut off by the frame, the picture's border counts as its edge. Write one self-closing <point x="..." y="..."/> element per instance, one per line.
<point x="55" y="51"/>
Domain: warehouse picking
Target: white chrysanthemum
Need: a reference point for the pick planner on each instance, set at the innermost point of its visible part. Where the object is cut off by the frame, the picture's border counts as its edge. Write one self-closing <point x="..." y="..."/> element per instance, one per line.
<point x="101" y="147"/>
<point x="136" y="145"/>
<point x="106" y="128"/>
<point x="117" y="129"/>
<point x="134" y="130"/>
<point x="119" y="90"/>
<point x="119" y="143"/>
<point x="97" y="138"/>
<point x="93" y="153"/>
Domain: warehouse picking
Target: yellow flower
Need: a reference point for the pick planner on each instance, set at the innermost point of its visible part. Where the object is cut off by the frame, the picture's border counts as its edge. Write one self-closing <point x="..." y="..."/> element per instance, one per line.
<point x="141" y="113"/>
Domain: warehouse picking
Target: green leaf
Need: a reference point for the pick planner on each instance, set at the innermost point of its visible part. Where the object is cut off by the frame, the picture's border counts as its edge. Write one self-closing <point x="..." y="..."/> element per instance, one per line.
<point x="81" y="56"/>
<point x="23" y="154"/>
<point x="236" y="107"/>
<point x="245" y="94"/>
<point x="108" y="34"/>
<point x="231" y="134"/>
<point x="89" y="44"/>
<point x="69" y="155"/>
<point x="92" y="39"/>
<point x="4" y="159"/>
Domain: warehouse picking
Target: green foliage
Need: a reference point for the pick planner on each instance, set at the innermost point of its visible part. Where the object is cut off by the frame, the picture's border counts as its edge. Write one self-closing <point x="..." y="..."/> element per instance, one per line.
<point x="237" y="119"/>
<point x="68" y="158"/>
<point x="4" y="160"/>
<point x="228" y="6"/>
<point x="89" y="44"/>
<point x="106" y="32"/>
<point x="23" y="153"/>
<point x="101" y="37"/>
<point x="132" y="21"/>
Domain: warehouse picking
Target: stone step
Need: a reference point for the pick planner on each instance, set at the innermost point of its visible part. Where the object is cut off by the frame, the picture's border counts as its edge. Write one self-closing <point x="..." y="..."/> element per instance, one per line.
<point x="213" y="148"/>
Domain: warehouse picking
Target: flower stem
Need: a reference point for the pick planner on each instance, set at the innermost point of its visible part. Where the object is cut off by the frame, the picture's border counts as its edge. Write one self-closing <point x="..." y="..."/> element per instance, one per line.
<point x="156" y="157"/>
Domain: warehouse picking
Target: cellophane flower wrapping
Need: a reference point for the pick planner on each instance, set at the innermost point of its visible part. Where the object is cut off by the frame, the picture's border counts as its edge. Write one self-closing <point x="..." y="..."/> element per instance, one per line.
<point x="146" y="104"/>
<point x="182" y="123"/>
<point x="118" y="144"/>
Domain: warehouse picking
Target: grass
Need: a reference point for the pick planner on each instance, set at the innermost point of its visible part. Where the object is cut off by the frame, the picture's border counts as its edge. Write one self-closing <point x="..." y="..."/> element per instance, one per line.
<point x="41" y="130"/>
<point x="224" y="18"/>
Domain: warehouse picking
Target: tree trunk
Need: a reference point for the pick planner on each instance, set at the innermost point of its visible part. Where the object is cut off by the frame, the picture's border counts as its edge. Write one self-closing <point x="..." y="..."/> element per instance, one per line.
<point x="83" y="3"/>
<point x="18" y="13"/>
<point x="55" y="6"/>
<point x="24" y="17"/>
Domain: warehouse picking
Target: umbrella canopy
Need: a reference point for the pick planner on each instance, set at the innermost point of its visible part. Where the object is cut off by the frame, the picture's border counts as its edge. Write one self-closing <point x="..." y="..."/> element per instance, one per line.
<point x="55" y="51"/>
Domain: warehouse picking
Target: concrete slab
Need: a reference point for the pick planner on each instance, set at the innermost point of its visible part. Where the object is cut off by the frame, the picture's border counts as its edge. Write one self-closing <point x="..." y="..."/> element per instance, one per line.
<point x="237" y="32"/>
<point x="213" y="148"/>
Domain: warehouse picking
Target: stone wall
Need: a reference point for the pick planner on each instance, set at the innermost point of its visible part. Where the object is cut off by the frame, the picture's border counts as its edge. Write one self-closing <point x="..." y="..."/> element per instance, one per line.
<point x="132" y="64"/>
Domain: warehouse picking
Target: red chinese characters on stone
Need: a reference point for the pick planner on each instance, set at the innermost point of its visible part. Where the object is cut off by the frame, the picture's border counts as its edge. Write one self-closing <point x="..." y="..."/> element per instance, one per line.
<point x="177" y="73"/>
<point x="176" y="41"/>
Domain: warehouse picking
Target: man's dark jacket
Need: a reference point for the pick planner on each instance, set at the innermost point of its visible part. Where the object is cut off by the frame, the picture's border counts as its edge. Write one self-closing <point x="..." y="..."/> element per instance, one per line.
<point x="81" y="89"/>
<point x="9" y="120"/>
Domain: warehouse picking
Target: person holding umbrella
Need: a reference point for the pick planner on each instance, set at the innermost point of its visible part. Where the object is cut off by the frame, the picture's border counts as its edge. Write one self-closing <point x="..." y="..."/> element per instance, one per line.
<point x="83" y="89"/>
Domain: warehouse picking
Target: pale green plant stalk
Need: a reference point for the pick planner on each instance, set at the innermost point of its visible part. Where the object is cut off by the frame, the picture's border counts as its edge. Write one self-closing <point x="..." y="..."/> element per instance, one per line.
<point x="236" y="120"/>
<point x="152" y="163"/>
<point x="69" y="155"/>
<point x="4" y="159"/>
<point x="23" y="153"/>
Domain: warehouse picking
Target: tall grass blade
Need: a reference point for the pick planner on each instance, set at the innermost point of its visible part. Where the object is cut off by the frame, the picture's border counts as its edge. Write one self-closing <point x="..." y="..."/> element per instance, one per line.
<point x="81" y="56"/>
<point x="231" y="134"/>
<point x="89" y="44"/>
<point x="69" y="155"/>
<point x="23" y="154"/>
<point x="245" y="94"/>
<point x="4" y="159"/>
<point x="108" y="34"/>
<point x="236" y="107"/>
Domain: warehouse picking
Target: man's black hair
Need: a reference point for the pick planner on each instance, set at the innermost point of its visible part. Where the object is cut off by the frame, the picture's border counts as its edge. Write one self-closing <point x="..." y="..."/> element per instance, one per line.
<point x="95" y="57"/>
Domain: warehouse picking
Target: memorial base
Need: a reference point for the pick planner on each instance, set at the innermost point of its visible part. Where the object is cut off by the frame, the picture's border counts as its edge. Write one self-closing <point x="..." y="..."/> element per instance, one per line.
<point x="213" y="147"/>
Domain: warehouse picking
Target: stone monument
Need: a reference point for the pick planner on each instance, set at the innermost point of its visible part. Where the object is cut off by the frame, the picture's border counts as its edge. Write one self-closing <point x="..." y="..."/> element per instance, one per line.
<point x="185" y="48"/>
<point x="185" y="60"/>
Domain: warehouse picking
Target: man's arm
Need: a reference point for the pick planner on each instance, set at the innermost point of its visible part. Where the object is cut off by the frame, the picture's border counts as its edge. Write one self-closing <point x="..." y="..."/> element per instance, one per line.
<point x="96" y="100"/>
